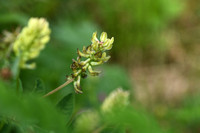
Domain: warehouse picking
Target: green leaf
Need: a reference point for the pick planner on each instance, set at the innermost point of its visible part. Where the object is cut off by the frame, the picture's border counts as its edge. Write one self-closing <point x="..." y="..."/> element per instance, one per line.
<point x="19" y="18"/>
<point x="39" y="87"/>
<point x="133" y="120"/>
<point x="30" y="111"/>
<point x="66" y="106"/>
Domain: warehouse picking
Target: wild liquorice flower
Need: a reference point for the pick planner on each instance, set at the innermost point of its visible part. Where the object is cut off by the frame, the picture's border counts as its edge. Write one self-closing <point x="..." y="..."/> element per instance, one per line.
<point x="94" y="54"/>
<point x="31" y="41"/>
<point x="117" y="99"/>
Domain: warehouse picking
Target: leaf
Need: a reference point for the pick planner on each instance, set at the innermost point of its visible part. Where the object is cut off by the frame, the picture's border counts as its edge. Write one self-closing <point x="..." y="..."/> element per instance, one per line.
<point x="19" y="18"/>
<point x="134" y="120"/>
<point x="66" y="105"/>
<point x="39" y="87"/>
<point x="30" y="111"/>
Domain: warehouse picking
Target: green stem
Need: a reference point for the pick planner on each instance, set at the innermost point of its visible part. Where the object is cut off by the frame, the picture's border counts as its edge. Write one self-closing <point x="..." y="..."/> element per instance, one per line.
<point x="16" y="68"/>
<point x="17" y="76"/>
<point x="16" y="72"/>
<point x="59" y="87"/>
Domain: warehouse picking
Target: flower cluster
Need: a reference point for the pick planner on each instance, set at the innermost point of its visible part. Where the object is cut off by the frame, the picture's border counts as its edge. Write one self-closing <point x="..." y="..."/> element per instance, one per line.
<point x="31" y="41"/>
<point x="117" y="99"/>
<point x="94" y="54"/>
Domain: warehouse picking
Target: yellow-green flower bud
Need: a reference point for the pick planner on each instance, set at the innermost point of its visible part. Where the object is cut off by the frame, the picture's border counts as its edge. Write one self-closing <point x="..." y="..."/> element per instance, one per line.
<point x="94" y="37"/>
<point x="87" y="122"/>
<point x="31" y="41"/>
<point x="103" y="37"/>
<point x="117" y="99"/>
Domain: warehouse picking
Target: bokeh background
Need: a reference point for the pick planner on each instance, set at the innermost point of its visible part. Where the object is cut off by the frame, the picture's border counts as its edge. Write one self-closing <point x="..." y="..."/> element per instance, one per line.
<point x="156" y="53"/>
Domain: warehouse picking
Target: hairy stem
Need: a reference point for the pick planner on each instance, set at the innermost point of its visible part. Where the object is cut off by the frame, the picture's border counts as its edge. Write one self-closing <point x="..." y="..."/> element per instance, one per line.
<point x="59" y="87"/>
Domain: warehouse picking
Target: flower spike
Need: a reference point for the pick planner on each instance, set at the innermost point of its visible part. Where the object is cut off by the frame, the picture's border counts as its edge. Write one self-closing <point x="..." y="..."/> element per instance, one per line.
<point x="31" y="41"/>
<point x="95" y="55"/>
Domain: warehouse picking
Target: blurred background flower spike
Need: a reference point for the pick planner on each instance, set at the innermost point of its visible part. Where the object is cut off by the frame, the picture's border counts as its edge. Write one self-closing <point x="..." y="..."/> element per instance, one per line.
<point x="31" y="41"/>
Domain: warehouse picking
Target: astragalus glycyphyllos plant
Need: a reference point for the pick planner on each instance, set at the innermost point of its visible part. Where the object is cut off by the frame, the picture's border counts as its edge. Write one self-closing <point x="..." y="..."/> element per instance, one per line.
<point x="92" y="55"/>
<point x="31" y="41"/>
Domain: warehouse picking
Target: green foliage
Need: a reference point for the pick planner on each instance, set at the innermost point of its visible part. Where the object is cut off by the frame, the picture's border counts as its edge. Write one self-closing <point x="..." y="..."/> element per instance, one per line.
<point x="29" y="112"/>
<point x="132" y="120"/>
<point x="39" y="87"/>
<point x="138" y="21"/>
<point x="66" y="106"/>
<point x="135" y="24"/>
<point x="16" y="18"/>
<point x="188" y="115"/>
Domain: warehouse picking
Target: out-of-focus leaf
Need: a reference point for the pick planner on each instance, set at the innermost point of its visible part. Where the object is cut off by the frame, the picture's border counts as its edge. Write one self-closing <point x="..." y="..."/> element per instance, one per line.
<point x="132" y="120"/>
<point x="66" y="106"/>
<point x="30" y="110"/>
<point x="13" y="18"/>
<point x="39" y="87"/>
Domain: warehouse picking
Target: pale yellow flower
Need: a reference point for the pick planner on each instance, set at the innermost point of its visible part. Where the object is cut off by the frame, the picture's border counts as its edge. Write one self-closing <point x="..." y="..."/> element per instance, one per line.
<point x="117" y="99"/>
<point x="31" y="41"/>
